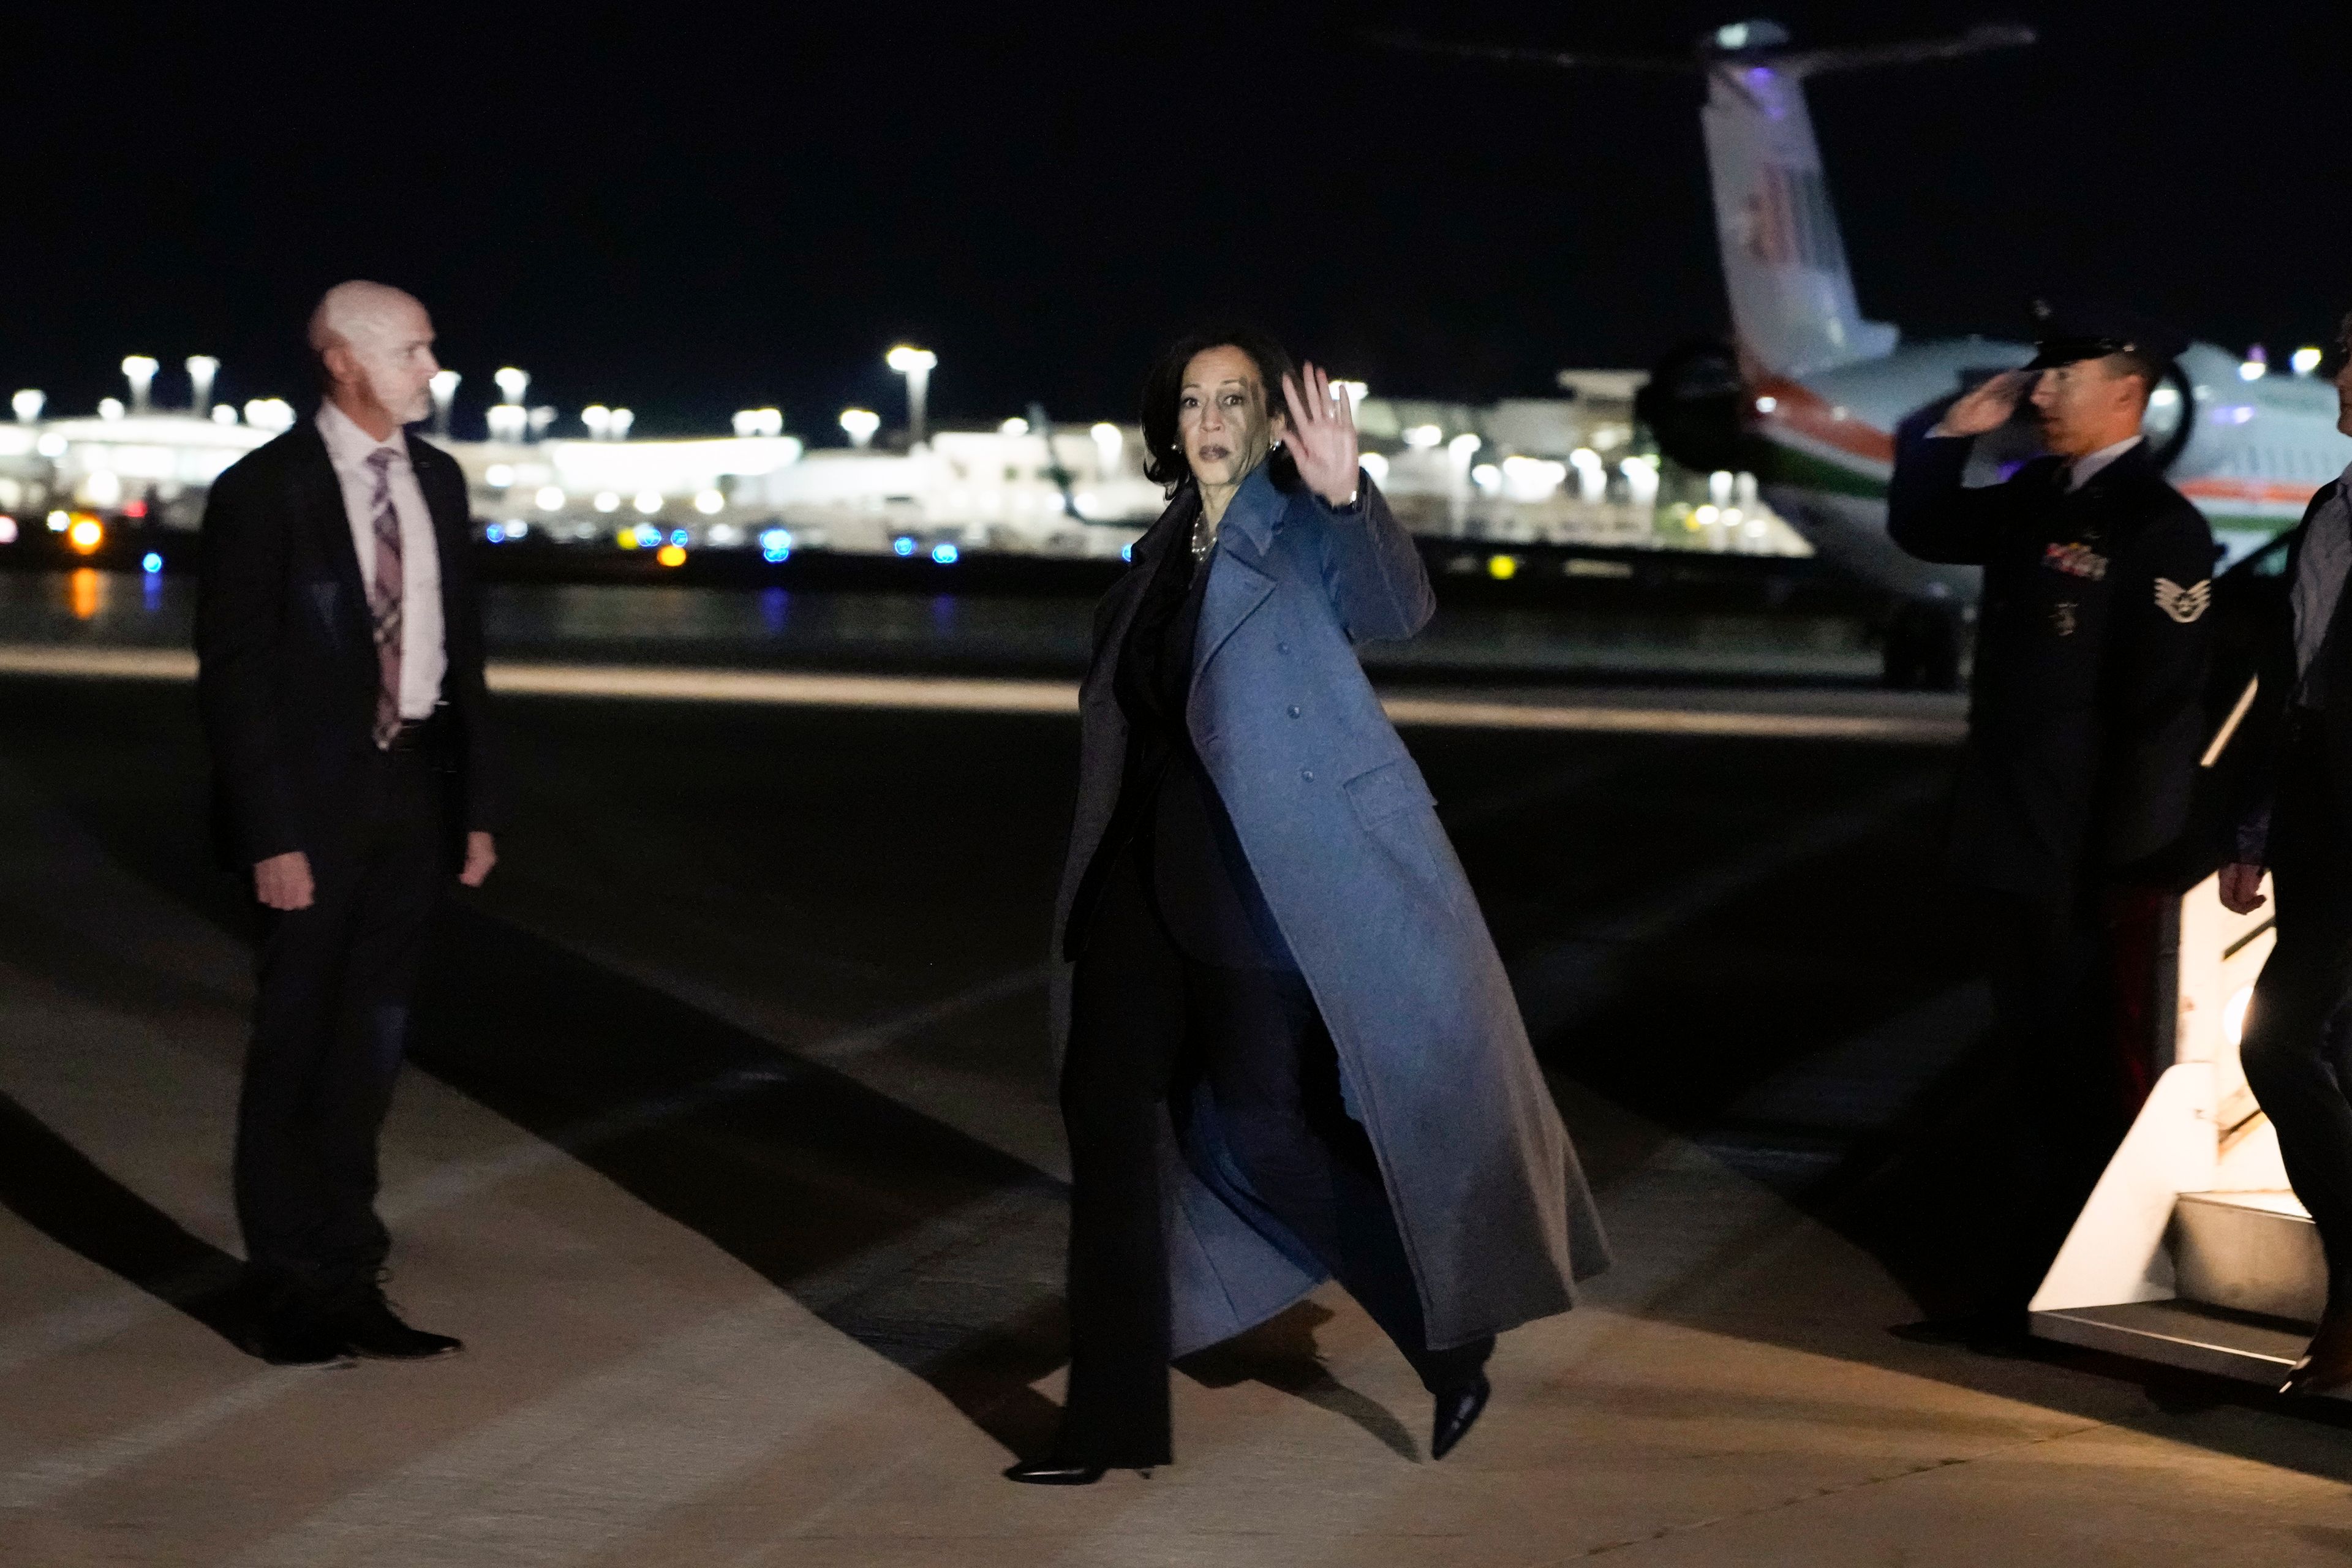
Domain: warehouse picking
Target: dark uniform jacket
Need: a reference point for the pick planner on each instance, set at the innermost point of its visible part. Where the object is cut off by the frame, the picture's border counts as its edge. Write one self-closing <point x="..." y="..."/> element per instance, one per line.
<point x="287" y="670"/>
<point x="2261" y="736"/>
<point x="2085" y="719"/>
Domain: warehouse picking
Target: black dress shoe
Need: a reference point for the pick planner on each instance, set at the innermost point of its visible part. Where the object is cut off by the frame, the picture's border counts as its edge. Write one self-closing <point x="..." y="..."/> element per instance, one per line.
<point x="1458" y="1410"/>
<point x="2327" y="1364"/>
<point x="371" y="1328"/>
<point x="289" y="1336"/>
<point x="1056" y="1473"/>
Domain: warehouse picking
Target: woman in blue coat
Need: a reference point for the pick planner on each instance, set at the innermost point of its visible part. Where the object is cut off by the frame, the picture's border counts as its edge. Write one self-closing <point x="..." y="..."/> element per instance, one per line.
<point x="1289" y="1050"/>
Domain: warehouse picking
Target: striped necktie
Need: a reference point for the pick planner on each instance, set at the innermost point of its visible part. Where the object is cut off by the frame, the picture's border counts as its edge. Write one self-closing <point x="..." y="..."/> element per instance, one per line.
<point x="383" y="600"/>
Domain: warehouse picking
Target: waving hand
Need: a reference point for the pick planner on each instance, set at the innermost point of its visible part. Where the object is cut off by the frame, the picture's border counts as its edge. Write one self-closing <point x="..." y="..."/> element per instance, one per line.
<point x="1322" y="435"/>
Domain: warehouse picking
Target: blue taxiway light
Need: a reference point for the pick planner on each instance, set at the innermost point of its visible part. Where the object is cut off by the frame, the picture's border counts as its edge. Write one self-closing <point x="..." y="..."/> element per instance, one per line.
<point x="150" y="564"/>
<point x="1127" y="552"/>
<point x="902" y="546"/>
<point x="946" y="555"/>
<point x="680" y="538"/>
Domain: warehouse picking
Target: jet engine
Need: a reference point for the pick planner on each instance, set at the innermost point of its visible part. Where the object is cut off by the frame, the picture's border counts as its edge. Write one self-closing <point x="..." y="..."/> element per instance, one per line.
<point x="1696" y="404"/>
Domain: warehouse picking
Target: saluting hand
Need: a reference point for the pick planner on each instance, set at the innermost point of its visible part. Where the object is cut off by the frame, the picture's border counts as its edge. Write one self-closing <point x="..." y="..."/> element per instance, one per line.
<point x="1322" y="435"/>
<point x="1988" y="407"/>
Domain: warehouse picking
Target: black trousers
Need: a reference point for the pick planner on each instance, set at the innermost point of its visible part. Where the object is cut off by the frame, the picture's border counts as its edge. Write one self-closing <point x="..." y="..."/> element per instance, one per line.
<point x="2293" y="1048"/>
<point x="2065" y="1101"/>
<point x="329" y="1028"/>
<point x="1148" y="1024"/>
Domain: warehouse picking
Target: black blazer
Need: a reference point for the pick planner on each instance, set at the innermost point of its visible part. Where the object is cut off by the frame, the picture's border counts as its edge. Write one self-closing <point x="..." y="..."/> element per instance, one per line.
<point x="287" y="670"/>
<point x="2264" y="729"/>
<point x="2086" y="709"/>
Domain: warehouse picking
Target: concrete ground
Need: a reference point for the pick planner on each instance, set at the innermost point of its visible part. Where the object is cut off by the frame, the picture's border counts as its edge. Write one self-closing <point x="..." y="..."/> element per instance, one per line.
<point x="729" y="1151"/>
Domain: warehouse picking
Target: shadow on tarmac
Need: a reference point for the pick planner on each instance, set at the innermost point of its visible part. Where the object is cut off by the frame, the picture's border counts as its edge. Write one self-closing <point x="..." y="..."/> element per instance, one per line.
<point x="58" y="1190"/>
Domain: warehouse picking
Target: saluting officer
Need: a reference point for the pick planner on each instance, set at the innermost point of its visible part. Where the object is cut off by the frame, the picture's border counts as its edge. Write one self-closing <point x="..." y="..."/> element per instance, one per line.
<point x="2085" y="726"/>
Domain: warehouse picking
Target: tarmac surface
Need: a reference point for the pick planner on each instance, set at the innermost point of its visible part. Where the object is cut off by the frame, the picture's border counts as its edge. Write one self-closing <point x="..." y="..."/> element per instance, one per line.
<point x="730" y="1148"/>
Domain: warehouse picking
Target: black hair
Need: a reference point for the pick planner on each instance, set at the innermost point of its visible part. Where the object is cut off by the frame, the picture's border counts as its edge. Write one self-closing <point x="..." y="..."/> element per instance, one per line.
<point x="1164" y="445"/>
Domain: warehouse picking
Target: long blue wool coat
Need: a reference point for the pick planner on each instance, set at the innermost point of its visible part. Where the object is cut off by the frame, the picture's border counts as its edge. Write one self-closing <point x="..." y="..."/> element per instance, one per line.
<point x="1343" y="838"/>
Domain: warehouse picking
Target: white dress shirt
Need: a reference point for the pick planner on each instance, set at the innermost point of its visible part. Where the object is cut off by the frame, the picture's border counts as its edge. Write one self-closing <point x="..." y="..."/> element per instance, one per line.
<point x="2085" y="468"/>
<point x="424" y="656"/>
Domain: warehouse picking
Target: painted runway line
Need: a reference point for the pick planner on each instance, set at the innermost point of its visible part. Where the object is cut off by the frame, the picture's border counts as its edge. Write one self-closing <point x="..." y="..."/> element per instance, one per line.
<point x="964" y="694"/>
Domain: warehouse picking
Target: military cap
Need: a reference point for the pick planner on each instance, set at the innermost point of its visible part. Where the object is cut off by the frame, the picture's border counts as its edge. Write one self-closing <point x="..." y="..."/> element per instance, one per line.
<point x="2069" y="330"/>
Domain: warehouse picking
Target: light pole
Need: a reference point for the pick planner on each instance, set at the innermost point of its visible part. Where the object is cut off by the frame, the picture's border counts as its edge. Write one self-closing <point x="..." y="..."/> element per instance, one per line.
<point x="27" y="404"/>
<point x="140" y="371"/>
<point x="509" y="421"/>
<point x="915" y="365"/>
<point x="443" y="387"/>
<point x="202" y="370"/>
<point x="859" y="425"/>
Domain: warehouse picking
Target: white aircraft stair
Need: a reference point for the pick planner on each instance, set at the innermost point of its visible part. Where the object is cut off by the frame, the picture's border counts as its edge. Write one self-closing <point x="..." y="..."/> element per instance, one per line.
<point x="2193" y="1252"/>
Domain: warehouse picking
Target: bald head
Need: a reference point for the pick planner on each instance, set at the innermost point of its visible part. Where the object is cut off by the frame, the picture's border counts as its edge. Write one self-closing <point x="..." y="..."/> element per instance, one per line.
<point x="375" y="344"/>
<point x="349" y="311"/>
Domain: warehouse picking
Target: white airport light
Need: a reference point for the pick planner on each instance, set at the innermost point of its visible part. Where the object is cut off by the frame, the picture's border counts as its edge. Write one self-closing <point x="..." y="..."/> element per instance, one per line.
<point x="1374" y="464"/>
<point x="28" y="404"/>
<point x="859" y="425"/>
<point x="2163" y="398"/>
<point x="512" y="383"/>
<point x="50" y="444"/>
<point x="1641" y="479"/>
<point x="498" y="476"/>
<point x="599" y="421"/>
<point x="140" y="371"/>
<point x="753" y="422"/>
<point x="202" y="370"/>
<point x="443" y="387"/>
<point x="608" y="501"/>
<point x="1463" y="447"/>
<point x="1765" y="404"/>
<point x="508" y="422"/>
<point x="550" y="498"/>
<point x="2252" y="370"/>
<point x="621" y="419"/>
<point x="1016" y="426"/>
<point x="2305" y="360"/>
<point x="1423" y="437"/>
<point x="647" y="502"/>
<point x="707" y="502"/>
<point x="224" y="415"/>
<point x="110" y="408"/>
<point x="1487" y="476"/>
<point x="271" y="414"/>
<point x="915" y="364"/>
<point x="1718" y="487"/>
<point x="1110" y="445"/>
<point x="1356" y="391"/>
<point x="1591" y="475"/>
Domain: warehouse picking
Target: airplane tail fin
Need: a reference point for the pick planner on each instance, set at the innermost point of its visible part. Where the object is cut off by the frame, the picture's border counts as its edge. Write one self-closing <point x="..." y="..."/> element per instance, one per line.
<point x="1792" y="304"/>
<point x="1784" y="264"/>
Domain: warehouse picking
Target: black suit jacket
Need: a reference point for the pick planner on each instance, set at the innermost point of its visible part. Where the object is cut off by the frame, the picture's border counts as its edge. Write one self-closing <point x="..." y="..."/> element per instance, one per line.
<point x="2086" y="712"/>
<point x="2264" y="729"/>
<point x="287" y="669"/>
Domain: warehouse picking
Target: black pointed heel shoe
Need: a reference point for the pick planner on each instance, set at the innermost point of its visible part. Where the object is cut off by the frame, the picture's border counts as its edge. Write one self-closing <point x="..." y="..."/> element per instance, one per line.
<point x="1065" y="1473"/>
<point x="1458" y="1409"/>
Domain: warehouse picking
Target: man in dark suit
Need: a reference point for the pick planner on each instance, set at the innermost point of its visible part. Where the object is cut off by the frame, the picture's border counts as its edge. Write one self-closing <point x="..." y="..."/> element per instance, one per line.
<point x="2297" y="822"/>
<point x="339" y="675"/>
<point x="2084" y="727"/>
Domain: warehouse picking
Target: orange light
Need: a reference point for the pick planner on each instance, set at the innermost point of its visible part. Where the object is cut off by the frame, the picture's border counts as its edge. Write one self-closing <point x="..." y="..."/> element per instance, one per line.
<point x="84" y="586"/>
<point x="671" y="555"/>
<point x="85" y="534"/>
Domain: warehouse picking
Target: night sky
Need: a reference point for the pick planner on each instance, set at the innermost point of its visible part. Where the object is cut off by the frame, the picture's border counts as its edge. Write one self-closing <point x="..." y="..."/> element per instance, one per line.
<point x="690" y="210"/>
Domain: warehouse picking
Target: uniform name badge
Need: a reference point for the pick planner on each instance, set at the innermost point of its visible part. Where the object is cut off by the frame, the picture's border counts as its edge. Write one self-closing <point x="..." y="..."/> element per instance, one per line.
<point x="2075" y="560"/>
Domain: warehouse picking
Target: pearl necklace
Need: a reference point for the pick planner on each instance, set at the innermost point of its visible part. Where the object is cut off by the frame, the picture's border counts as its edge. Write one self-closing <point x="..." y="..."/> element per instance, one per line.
<point x="1205" y="537"/>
